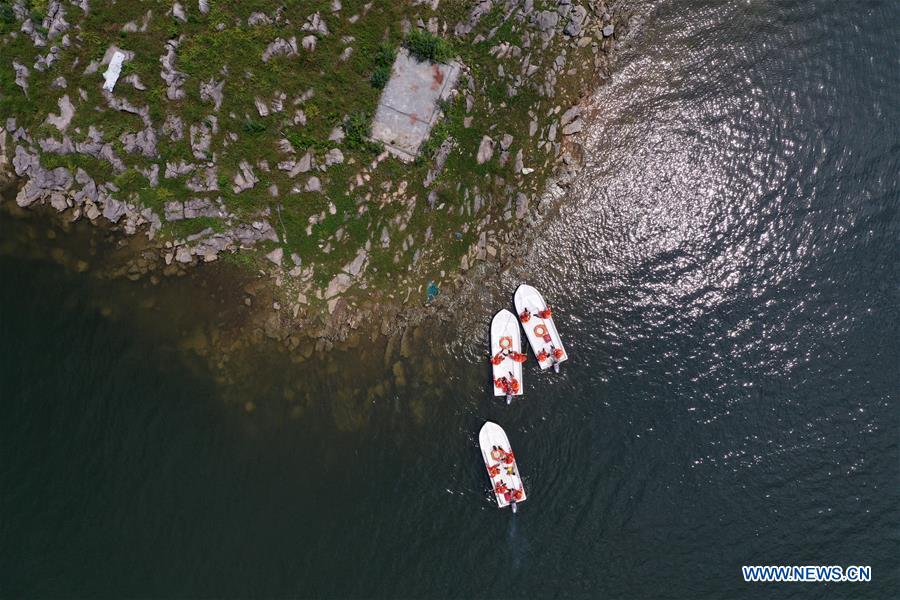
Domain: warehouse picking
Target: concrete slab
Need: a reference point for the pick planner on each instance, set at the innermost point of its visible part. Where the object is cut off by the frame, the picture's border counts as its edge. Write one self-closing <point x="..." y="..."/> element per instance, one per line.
<point x="409" y="105"/>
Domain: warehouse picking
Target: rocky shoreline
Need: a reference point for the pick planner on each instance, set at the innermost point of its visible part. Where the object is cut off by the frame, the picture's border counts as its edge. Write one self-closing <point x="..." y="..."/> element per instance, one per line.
<point x="288" y="301"/>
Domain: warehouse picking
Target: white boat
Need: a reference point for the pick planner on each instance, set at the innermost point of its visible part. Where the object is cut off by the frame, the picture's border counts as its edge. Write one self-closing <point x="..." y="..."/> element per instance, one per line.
<point x="506" y="355"/>
<point x="540" y="331"/>
<point x="501" y="464"/>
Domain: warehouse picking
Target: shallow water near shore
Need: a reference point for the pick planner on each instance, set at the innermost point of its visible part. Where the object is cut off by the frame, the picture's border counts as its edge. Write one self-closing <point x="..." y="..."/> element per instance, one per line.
<point x="725" y="275"/>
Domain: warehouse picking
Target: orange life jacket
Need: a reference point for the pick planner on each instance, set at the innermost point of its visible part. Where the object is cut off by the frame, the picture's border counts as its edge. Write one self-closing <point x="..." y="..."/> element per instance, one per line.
<point x="496" y="360"/>
<point x="518" y="357"/>
<point x="509" y="458"/>
<point x="514" y="385"/>
<point x="525" y="316"/>
<point x="542" y="356"/>
<point x="546" y="313"/>
<point x="558" y="353"/>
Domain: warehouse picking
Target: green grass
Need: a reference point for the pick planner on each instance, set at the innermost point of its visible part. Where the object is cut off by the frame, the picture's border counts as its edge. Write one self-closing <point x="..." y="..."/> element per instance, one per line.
<point x="427" y="46"/>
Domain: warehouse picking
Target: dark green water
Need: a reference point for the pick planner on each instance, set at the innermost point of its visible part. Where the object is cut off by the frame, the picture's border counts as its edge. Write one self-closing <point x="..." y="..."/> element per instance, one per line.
<point x="728" y="290"/>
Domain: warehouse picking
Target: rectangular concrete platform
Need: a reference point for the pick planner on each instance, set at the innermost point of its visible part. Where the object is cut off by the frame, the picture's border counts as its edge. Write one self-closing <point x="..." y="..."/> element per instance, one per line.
<point x="408" y="108"/>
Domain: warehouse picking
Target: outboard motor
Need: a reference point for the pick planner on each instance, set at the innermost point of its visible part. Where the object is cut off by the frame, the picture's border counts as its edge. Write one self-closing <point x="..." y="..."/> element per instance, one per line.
<point x="513" y="506"/>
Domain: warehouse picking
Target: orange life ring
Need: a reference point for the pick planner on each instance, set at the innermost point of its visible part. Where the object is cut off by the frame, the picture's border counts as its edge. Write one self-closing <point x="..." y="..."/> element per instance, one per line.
<point x="506" y="342"/>
<point x="540" y="330"/>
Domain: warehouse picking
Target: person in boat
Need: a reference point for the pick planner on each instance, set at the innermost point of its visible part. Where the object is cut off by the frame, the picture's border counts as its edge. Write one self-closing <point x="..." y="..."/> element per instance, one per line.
<point x="500" y="488"/>
<point x="497" y="358"/>
<point x="546" y="313"/>
<point x="497" y="453"/>
<point x="516" y="495"/>
<point x="502" y="383"/>
<point x="518" y="357"/>
<point x="508" y="457"/>
<point x="558" y="354"/>
<point x="494" y="470"/>
<point x="525" y="316"/>
<point x="514" y="386"/>
<point x="543" y="355"/>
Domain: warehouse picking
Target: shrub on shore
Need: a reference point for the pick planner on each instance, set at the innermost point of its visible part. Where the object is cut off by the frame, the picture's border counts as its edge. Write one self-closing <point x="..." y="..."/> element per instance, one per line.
<point x="427" y="46"/>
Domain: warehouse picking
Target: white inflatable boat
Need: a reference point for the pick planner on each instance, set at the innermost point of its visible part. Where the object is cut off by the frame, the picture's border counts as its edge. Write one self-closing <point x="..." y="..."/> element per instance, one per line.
<point x="540" y="330"/>
<point x="506" y="355"/>
<point x="503" y="470"/>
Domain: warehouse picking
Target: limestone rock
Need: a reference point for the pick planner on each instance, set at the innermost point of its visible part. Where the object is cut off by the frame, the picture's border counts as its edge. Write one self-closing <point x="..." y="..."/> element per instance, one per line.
<point x="276" y="256"/>
<point x="485" y="150"/>
<point x="280" y="47"/>
<point x="245" y="178"/>
<point x="334" y="157"/>
<point x="211" y="91"/>
<point x="315" y="24"/>
<point x="66" y="112"/>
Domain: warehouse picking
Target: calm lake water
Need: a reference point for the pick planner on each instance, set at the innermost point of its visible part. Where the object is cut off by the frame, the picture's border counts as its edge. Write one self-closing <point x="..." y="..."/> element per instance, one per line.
<point x="725" y="274"/>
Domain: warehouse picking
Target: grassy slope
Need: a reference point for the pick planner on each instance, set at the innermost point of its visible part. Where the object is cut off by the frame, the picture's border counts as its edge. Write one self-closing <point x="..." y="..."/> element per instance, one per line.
<point x="340" y="89"/>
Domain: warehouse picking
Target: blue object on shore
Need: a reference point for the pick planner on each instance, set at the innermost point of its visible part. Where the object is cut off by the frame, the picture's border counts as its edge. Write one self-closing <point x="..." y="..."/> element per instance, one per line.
<point x="433" y="290"/>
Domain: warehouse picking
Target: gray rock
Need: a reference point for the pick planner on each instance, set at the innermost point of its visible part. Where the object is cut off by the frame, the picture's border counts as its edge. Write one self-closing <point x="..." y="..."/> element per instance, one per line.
<point x="173" y="127"/>
<point x="276" y="256"/>
<point x="506" y="141"/>
<point x="356" y="266"/>
<point x="177" y="169"/>
<point x="258" y="18"/>
<point x="608" y="30"/>
<point x="521" y="205"/>
<point x="66" y="112"/>
<point x="335" y="5"/>
<point x="174" y="78"/>
<point x="135" y="81"/>
<point x="334" y="157"/>
<point x="22" y="74"/>
<point x="313" y="185"/>
<point x="211" y="91"/>
<point x="338" y="285"/>
<point x="337" y="135"/>
<point x="245" y="178"/>
<point x="178" y="12"/>
<point x="485" y="150"/>
<point x="308" y="42"/>
<point x="546" y="20"/>
<point x="201" y="140"/>
<point x="315" y="24"/>
<point x="570" y="115"/>
<point x="280" y="47"/>
<point x="573" y="127"/>
<point x="576" y="23"/>
<point x="59" y="83"/>
<point x="143" y="142"/>
<point x="203" y="5"/>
